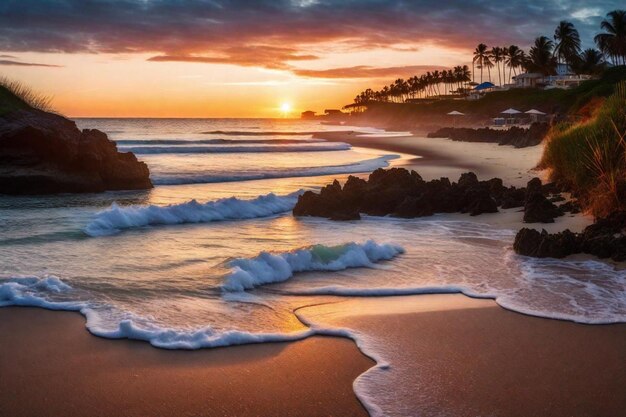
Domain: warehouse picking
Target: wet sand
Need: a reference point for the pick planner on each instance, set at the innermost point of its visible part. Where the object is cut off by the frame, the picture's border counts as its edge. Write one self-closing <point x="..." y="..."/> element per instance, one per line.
<point x="463" y="357"/>
<point x="51" y="366"/>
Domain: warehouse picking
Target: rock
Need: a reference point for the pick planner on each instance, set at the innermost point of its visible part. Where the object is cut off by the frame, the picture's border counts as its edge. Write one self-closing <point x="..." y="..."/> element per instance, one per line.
<point x="515" y="136"/>
<point x="571" y="206"/>
<point x="530" y="242"/>
<point x="605" y="239"/>
<point x="44" y="153"/>
<point x="537" y="208"/>
<point x="402" y="193"/>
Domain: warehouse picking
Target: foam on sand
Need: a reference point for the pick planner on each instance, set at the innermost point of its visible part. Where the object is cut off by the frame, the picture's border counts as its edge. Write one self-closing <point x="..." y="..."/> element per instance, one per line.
<point x="117" y="218"/>
<point x="268" y="268"/>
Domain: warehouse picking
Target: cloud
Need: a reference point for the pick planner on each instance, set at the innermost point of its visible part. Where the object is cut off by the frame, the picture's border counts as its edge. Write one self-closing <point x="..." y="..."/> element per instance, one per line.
<point x="247" y="56"/>
<point x="25" y="64"/>
<point x="272" y="33"/>
<point x="364" y="71"/>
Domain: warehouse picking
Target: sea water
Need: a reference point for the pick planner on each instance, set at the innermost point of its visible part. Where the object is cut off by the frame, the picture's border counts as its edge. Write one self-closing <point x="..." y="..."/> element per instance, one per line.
<point x="213" y="257"/>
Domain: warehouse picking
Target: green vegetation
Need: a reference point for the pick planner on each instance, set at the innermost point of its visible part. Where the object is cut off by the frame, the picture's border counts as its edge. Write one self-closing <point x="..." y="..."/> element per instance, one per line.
<point x="15" y="95"/>
<point x="543" y="57"/>
<point x="560" y="101"/>
<point x="590" y="157"/>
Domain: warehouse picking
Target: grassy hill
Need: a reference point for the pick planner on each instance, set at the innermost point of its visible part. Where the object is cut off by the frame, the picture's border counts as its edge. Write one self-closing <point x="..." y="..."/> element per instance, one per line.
<point x="16" y="96"/>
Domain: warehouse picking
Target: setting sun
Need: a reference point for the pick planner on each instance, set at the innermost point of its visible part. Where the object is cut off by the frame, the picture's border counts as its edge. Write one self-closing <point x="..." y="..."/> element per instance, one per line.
<point x="285" y="108"/>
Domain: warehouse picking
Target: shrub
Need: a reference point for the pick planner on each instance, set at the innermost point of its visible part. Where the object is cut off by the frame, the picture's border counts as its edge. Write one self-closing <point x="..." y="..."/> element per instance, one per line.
<point x="590" y="157"/>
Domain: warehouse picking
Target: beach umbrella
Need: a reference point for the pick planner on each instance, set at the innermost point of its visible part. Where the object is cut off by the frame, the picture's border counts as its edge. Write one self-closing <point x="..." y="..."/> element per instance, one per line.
<point x="533" y="111"/>
<point x="484" y="86"/>
<point x="511" y="111"/>
<point x="455" y="113"/>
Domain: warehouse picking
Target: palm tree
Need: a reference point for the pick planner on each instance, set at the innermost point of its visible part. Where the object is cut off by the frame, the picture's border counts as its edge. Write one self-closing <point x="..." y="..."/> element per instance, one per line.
<point x="480" y="53"/>
<point x="497" y="54"/>
<point x="613" y="41"/>
<point x="591" y="61"/>
<point x="541" y="57"/>
<point x="567" y="47"/>
<point x="514" y="59"/>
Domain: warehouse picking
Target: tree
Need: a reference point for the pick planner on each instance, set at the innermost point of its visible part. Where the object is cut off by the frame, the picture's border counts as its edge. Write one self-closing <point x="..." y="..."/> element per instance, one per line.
<point x="480" y="54"/>
<point x="591" y="61"/>
<point x="541" y="57"/>
<point x="515" y="58"/>
<point x="613" y="41"/>
<point x="567" y="47"/>
<point x="497" y="54"/>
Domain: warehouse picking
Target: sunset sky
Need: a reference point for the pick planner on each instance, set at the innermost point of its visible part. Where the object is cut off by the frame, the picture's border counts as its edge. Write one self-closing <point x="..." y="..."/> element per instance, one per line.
<point x="217" y="58"/>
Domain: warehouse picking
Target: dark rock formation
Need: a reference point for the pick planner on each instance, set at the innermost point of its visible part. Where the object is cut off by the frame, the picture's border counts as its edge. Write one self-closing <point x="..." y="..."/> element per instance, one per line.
<point x="537" y="208"/>
<point x="514" y="136"/>
<point x="605" y="239"/>
<point x="44" y="153"/>
<point x="402" y="193"/>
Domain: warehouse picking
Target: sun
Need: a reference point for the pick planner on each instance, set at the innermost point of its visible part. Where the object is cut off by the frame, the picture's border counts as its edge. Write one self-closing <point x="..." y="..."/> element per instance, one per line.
<point x="285" y="108"/>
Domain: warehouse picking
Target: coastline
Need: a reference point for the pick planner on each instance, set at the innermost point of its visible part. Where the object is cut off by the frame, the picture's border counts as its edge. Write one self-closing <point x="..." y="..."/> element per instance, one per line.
<point x="52" y="366"/>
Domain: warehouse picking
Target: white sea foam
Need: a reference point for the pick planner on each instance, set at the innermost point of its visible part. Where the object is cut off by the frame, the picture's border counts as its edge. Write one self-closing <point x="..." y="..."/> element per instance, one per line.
<point x="117" y="218"/>
<point x="34" y="291"/>
<point x="367" y="165"/>
<point x="268" y="268"/>
<point x="182" y="149"/>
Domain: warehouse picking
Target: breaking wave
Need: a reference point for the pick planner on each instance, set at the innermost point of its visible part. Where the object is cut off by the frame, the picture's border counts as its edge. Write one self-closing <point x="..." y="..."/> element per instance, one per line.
<point x="362" y="166"/>
<point x="268" y="268"/>
<point x="117" y="218"/>
<point x="330" y="146"/>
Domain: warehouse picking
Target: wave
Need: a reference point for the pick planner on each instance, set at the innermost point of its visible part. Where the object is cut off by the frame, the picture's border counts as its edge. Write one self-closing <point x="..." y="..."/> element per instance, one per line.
<point x="337" y="146"/>
<point x="117" y="218"/>
<point x="268" y="268"/>
<point x="368" y="165"/>
<point x="124" y="142"/>
<point x="266" y="133"/>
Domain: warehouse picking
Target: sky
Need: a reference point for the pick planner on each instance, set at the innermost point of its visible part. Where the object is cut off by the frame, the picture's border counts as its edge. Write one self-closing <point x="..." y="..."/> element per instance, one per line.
<point x="244" y="58"/>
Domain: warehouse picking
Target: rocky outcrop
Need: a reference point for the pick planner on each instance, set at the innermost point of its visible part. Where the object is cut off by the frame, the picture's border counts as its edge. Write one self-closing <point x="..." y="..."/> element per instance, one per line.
<point x="402" y="193"/>
<point x="537" y="208"/>
<point x="605" y="239"/>
<point x="44" y="153"/>
<point x="514" y="136"/>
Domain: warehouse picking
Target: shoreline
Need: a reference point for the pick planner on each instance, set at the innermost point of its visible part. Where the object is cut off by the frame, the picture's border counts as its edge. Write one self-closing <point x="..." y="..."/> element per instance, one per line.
<point x="320" y="375"/>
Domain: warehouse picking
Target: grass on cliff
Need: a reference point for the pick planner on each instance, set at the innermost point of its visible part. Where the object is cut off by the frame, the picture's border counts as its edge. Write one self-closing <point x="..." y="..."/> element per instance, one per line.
<point x="589" y="157"/>
<point x="15" y="96"/>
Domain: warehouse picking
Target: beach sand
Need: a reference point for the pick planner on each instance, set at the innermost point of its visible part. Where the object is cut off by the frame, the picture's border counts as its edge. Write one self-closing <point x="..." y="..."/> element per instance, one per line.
<point x="466" y="357"/>
<point x="51" y="366"/>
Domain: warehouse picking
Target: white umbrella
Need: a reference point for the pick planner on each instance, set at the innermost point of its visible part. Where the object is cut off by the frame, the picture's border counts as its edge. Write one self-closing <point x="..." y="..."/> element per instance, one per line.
<point x="511" y="111"/>
<point x="456" y="113"/>
<point x="533" y="111"/>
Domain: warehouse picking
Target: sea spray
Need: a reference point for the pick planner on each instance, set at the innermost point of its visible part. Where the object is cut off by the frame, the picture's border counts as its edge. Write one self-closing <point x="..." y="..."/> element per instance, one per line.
<point x="268" y="268"/>
<point x="117" y="218"/>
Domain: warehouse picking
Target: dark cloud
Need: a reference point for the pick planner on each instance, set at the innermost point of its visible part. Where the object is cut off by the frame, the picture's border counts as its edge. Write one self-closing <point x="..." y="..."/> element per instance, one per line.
<point x="364" y="71"/>
<point x="25" y="64"/>
<point x="272" y="33"/>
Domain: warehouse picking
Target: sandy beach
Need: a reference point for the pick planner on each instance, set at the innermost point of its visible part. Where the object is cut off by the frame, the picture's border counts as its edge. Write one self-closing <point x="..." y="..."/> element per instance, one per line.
<point x="468" y="357"/>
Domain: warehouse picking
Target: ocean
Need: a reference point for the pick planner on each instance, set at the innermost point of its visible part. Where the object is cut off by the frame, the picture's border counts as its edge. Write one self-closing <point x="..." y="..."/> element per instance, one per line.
<point x="213" y="257"/>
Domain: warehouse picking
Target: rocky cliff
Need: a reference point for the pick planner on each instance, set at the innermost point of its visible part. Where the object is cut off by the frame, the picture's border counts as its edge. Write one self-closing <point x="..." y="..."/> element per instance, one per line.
<point x="44" y="153"/>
